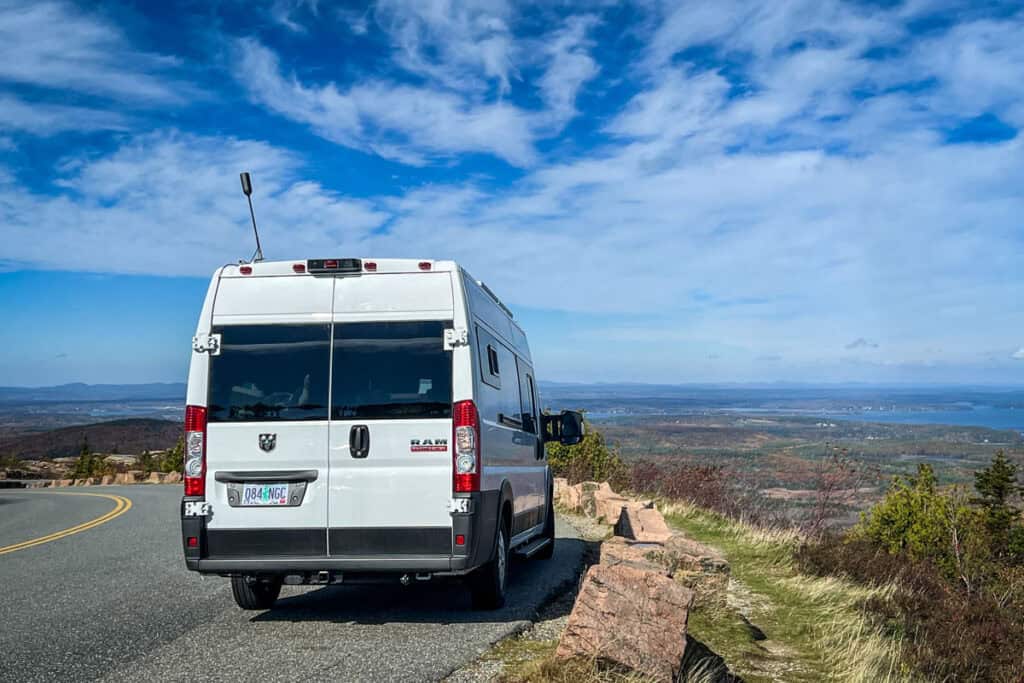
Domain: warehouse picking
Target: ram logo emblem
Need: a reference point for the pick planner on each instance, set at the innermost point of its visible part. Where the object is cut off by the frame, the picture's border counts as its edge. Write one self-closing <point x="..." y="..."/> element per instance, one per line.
<point x="268" y="442"/>
<point x="421" y="445"/>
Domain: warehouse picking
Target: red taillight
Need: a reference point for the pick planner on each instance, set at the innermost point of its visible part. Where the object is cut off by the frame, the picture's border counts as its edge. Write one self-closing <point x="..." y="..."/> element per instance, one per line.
<point x="460" y="539"/>
<point x="466" y="447"/>
<point x="298" y="267"/>
<point x="330" y="263"/>
<point x="424" y="265"/>
<point x="370" y="266"/>
<point x="195" y="451"/>
<point x="245" y="270"/>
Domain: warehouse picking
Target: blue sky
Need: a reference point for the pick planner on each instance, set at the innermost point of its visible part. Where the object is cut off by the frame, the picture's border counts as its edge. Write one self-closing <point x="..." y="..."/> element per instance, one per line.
<point x="812" y="191"/>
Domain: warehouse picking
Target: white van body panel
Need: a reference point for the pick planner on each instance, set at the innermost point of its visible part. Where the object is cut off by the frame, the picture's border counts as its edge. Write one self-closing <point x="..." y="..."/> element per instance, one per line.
<point x="256" y="300"/>
<point x="300" y="446"/>
<point x="394" y="296"/>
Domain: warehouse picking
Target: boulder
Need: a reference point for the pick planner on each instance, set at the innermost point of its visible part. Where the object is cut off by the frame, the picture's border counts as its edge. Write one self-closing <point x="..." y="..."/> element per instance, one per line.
<point x="107" y="480"/>
<point x="642" y="524"/>
<point x="631" y="618"/>
<point x="580" y="497"/>
<point x="561" y="487"/>
<point x="173" y="478"/>
<point x="689" y="555"/>
<point x="587" y="504"/>
<point x="608" y="504"/>
<point x="639" y="555"/>
<point x="64" y="482"/>
<point x="155" y="478"/>
<point x="124" y="478"/>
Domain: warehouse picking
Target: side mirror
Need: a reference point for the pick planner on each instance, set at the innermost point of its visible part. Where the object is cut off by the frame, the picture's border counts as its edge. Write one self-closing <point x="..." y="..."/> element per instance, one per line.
<point x="566" y="427"/>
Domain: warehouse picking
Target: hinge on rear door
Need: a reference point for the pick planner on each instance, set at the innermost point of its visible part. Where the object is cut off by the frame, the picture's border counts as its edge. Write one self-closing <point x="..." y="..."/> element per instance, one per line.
<point x="206" y="343"/>
<point x="455" y="337"/>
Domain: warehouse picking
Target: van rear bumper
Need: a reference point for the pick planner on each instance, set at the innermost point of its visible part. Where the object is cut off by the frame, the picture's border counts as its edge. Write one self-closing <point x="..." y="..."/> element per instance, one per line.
<point x="383" y="550"/>
<point x="398" y="564"/>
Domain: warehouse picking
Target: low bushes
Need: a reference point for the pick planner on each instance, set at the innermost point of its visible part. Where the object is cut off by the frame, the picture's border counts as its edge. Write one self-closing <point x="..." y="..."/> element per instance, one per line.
<point x="958" y="567"/>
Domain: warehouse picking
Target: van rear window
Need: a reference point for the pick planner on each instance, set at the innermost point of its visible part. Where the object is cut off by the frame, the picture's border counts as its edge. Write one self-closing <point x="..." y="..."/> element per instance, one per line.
<point x="270" y="372"/>
<point x="391" y="370"/>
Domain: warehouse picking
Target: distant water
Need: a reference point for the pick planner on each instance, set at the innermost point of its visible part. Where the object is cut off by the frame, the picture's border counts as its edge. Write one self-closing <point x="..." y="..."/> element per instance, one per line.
<point x="973" y="416"/>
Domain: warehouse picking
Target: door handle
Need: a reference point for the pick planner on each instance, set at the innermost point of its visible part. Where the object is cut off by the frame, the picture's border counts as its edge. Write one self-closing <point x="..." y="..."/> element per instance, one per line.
<point x="359" y="441"/>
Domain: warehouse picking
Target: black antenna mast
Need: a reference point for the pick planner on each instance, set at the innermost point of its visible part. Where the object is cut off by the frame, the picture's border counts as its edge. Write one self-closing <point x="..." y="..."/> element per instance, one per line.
<point x="247" y="189"/>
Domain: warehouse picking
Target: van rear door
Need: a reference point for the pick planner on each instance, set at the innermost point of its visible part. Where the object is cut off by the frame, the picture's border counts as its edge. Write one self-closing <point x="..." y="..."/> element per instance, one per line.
<point x="391" y="409"/>
<point x="268" y="419"/>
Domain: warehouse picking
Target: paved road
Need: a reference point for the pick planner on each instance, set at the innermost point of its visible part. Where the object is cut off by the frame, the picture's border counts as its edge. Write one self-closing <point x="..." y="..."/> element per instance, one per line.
<point x="114" y="602"/>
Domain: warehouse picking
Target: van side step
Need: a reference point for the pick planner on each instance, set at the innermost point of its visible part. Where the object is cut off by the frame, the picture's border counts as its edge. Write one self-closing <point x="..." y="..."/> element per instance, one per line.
<point x="532" y="549"/>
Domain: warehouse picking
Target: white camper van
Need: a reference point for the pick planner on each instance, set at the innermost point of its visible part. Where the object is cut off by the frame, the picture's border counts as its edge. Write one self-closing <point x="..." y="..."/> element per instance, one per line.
<point x="363" y="420"/>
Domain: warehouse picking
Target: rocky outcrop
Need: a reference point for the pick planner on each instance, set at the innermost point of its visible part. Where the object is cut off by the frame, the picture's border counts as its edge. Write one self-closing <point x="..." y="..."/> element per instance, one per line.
<point x="120" y="479"/>
<point x="642" y="524"/>
<point x="632" y="607"/>
<point x="580" y="497"/>
<point x="639" y="555"/>
<point x="629" y="617"/>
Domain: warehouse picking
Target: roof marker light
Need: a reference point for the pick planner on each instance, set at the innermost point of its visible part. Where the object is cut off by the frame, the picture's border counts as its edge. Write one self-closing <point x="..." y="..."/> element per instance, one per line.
<point x="299" y="267"/>
<point x="425" y="265"/>
<point x="370" y="266"/>
<point x="245" y="270"/>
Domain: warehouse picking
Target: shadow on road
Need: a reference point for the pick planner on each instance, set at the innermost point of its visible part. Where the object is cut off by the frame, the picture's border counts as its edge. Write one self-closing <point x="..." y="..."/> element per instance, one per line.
<point x="532" y="584"/>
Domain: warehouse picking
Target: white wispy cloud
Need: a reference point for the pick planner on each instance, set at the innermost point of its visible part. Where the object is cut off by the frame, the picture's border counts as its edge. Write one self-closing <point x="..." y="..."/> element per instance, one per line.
<point x="465" y="59"/>
<point x="166" y="201"/>
<point x="403" y="122"/>
<point x="46" y="119"/>
<point x="462" y="45"/>
<point x="56" y="45"/>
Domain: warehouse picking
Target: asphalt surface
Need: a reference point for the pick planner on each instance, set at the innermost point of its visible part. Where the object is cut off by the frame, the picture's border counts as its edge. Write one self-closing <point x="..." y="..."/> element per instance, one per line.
<point x="115" y="602"/>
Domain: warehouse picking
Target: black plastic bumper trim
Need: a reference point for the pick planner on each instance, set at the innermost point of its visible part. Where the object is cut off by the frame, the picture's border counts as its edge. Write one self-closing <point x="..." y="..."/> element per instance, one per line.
<point x="407" y="563"/>
<point x="273" y="477"/>
<point x="240" y="543"/>
<point x="371" y="541"/>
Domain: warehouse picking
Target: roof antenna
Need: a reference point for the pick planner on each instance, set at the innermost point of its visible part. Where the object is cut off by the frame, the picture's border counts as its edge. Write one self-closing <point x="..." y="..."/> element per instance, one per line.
<point x="247" y="189"/>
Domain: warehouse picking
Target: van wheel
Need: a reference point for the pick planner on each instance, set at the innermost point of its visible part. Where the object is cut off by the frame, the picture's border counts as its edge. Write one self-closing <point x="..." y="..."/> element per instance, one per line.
<point x="488" y="583"/>
<point x="548" y="534"/>
<point x="253" y="593"/>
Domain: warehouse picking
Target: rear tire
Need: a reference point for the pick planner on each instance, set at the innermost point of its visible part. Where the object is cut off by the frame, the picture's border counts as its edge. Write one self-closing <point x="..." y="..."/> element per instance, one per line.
<point x="548" y="551"/>
<point x="487" y="584"/>
<point x="253" y="593"/>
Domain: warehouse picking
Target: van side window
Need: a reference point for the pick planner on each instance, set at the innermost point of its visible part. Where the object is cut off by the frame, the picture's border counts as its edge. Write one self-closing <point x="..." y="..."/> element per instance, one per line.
<point x="527" y="406"/>
<point x="487" y="348"/>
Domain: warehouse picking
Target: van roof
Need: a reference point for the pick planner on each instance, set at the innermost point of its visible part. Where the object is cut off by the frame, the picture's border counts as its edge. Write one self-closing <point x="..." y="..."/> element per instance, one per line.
<point x="381" y="265"/>
<point x="299" y="268"/>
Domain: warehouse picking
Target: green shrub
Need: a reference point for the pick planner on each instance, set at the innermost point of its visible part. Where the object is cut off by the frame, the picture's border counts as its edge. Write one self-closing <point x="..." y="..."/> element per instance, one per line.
<point x="592" y="459"/>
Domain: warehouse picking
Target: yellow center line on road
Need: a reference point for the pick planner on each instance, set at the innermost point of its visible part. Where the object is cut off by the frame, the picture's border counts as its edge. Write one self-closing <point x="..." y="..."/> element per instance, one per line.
<point x="122" y="506"/>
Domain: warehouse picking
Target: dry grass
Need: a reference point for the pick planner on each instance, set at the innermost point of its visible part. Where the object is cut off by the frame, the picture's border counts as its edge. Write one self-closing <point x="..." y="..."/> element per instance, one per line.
<point x="817" y="627"/>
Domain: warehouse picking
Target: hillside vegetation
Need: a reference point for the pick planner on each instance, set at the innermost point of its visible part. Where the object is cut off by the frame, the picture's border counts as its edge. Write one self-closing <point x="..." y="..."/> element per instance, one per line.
<point x="928" y="585"/>
<point x="132" y="436"/>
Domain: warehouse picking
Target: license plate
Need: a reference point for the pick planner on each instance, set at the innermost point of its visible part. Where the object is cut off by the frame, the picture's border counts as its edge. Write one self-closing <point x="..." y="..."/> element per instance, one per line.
<point x="264" y="494"/>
